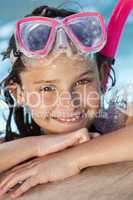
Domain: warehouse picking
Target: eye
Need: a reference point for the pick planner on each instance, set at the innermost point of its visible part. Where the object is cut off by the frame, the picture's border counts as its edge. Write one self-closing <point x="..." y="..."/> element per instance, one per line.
<point x="83" y="82"/>
<point x="47" y="89"/>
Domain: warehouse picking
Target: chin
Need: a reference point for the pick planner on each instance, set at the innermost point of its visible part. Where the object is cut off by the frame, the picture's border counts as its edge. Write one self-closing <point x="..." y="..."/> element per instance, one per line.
<point x="62" y="130"/>
<point x="64" y="127"/>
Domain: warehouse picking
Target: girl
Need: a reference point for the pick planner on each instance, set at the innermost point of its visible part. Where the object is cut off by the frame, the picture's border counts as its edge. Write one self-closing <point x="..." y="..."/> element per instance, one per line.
<point x="62" y="93"/>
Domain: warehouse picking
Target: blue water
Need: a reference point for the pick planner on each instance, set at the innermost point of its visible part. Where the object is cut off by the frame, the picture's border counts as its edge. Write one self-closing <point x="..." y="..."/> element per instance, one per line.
<point x="10" y="11"/>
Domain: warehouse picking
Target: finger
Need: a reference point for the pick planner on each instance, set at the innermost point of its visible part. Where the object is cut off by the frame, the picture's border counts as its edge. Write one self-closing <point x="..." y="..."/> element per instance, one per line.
<point x="2" y="190"/>
<point x="83" y="135"/>
<point x="81" y="140"/>
<point x="6" y="179"/>
<point x="29" y="183"/>
<point x="94" y="135"/>
<point x="84" y="138"/>
<point x="19" y="167"/>
<point x="12" y="172"/>
<point x="62" y="143"/>
<point x="79" y="136"/>
<point x="17" y="178"/>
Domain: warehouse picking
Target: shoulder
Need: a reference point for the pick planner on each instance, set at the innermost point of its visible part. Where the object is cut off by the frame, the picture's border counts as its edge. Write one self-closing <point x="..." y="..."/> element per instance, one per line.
<point x="119" y="112"/>
<point x="123" y="99"/>
<point x="112" y="119"/>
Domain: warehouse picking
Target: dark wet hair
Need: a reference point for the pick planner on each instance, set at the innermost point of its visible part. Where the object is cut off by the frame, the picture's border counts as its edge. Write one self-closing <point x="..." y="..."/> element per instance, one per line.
<point x="25" y="129"/>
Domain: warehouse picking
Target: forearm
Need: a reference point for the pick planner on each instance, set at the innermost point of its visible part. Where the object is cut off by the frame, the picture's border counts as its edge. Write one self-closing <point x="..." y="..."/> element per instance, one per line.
<point x="17" y="151"/>
<point x="110" y="148"/>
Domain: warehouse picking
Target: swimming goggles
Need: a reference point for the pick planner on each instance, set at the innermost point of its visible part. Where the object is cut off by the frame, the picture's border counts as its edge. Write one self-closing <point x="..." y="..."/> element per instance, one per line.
<point x="35" y="36"/>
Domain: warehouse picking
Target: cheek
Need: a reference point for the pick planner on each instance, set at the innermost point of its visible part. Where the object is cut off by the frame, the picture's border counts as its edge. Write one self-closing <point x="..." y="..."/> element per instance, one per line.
<point x="89" y="96"/>
<point x="42" y="104"/>
<point x="49" y="99"/>
<point x="93" y="97"/>
<point x="35" y="99"/>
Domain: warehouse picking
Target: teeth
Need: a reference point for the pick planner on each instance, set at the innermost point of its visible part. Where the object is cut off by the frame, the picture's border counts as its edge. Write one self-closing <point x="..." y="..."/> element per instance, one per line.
<point x="77" y="117"/>
<point x="70" y="119"/>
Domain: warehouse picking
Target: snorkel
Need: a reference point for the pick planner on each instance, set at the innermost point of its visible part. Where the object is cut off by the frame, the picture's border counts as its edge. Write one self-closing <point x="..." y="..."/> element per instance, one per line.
<point x="106" y="57"/>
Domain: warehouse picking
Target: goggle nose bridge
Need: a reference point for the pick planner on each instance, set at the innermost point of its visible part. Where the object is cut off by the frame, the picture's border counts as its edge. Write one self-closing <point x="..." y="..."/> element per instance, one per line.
<point x="62" y="36"/>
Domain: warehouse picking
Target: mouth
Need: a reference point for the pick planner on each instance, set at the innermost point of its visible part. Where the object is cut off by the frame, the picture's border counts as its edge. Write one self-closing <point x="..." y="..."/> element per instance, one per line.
<point x="73" y="119"/>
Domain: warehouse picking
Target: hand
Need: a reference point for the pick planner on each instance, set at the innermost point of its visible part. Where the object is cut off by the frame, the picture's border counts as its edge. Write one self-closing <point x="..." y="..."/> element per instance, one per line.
<point x="41" y="170"/>
<point x="94" y="134"/>
<point x="52" y="143"/>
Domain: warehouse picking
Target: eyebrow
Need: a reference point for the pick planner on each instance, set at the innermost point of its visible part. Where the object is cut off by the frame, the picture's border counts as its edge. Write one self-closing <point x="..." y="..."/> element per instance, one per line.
<point x="57" y="80"/>
<point x="46" y="81"/>
<point x="85" y="73"/>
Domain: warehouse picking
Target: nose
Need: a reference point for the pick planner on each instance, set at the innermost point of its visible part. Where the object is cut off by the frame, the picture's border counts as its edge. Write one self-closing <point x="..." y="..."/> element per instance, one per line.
<point x="65" y="99"/>
<point x="68" y="102"/>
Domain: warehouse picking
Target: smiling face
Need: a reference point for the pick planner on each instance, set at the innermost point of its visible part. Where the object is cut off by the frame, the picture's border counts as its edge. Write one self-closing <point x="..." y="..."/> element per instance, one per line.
<point x="61" y="92"/>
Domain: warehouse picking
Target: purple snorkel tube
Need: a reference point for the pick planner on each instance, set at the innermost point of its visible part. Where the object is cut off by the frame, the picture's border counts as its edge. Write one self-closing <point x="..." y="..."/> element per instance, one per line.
<point x="115" y="28"/>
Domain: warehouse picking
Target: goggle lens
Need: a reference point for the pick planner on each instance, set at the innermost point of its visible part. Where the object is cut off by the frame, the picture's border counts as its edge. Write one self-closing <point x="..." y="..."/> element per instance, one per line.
<point x="88" y="30"/>
<point x="35" y="35"/>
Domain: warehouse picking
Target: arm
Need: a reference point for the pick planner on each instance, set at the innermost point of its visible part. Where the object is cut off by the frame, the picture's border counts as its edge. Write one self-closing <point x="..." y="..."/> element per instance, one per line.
<point x="14" y="152"/>
<point x="110" y="148"/>
<point x="17" y="151"/>
<point x="114" y="147"/>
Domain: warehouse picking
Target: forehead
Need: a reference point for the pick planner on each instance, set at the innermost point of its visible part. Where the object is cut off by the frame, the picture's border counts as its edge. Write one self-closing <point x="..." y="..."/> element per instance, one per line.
<point x="57" y="67"/>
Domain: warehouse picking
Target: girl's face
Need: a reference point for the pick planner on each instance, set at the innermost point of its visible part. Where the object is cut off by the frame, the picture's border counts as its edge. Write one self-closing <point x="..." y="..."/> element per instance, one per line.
<point x="61" y="92"/>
